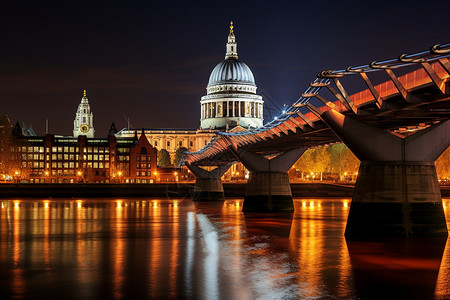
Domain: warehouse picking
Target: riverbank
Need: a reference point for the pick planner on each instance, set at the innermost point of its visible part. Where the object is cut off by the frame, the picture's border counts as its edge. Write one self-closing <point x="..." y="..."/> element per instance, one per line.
<point x="168" y="190"/>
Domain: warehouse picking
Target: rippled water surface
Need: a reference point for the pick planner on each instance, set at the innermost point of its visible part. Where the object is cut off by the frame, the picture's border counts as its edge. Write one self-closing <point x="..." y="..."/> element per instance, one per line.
<point x="155" y="248"/>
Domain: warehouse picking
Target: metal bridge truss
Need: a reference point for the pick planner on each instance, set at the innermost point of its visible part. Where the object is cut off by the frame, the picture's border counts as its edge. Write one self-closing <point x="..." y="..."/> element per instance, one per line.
<point x="401" y="105"/>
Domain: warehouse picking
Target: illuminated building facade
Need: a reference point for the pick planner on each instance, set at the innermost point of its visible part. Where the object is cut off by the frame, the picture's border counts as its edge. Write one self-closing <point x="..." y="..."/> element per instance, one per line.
<point x="56" y="159"/>
<point x="231" y="98"/>
<point x="84" y="119"/>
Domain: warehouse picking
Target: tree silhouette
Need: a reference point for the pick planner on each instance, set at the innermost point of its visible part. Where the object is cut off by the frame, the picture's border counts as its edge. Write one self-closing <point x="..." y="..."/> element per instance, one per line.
<point x="163" y="158"/>
<point x="178" y="155"/>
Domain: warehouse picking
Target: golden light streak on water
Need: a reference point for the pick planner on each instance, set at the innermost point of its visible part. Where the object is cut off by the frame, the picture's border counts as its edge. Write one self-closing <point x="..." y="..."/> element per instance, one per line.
<point x="17" y="273"/>
<point x="175" y="249"/>
<point x="442" y="290"/>
<point x="118" y="250"/>
<point x="156" y="251"/>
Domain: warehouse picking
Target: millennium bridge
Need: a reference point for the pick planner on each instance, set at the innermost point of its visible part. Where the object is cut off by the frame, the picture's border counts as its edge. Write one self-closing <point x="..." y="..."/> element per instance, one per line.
<point x="397" y="125"/>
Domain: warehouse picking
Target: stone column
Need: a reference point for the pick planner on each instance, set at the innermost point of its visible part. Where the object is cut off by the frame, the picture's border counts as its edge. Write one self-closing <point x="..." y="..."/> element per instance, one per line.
<point x="397" y="191"/>
<point x="208" y="185"/>
<point x="268" y="187"/>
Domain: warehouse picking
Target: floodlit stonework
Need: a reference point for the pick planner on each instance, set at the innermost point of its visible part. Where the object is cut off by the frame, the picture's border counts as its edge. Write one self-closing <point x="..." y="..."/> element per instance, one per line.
<point x="231" y="98"/>
<point x="84" y="119"/>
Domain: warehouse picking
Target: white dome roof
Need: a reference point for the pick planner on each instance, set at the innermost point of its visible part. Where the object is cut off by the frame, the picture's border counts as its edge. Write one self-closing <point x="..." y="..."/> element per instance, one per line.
<point x="231" y="71"/>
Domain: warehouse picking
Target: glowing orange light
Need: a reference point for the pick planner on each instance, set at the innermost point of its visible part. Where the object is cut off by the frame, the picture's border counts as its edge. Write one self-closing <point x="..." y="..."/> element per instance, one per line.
<point x="119" y="173"/>
<point x="175" y="173"/>
<point x="79" y="173"/>
<point x="46" y="173"/>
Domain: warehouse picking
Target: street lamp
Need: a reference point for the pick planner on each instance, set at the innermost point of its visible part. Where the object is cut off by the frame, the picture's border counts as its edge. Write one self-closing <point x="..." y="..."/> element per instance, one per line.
<point x="120" y="174"/>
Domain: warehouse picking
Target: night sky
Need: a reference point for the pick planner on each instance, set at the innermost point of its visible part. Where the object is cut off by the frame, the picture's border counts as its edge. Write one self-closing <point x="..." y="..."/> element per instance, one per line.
<point x="150" y="61"/>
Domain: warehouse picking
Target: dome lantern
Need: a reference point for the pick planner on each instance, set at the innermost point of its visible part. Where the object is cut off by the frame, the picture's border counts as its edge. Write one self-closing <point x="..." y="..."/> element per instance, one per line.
<point x="231" y="45"/>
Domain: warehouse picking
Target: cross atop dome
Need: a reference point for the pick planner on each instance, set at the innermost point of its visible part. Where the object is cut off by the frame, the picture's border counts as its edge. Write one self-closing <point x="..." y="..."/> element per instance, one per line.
<point x="231" y="45"/>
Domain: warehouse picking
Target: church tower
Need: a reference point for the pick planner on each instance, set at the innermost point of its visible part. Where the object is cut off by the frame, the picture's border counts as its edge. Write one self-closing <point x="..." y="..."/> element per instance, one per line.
<point x="84" y="119"/>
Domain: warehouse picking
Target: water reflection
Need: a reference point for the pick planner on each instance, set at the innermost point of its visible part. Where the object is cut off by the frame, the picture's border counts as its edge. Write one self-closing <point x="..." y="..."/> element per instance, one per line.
<point x="396" y="268"/>
<point x="155" y="248"/>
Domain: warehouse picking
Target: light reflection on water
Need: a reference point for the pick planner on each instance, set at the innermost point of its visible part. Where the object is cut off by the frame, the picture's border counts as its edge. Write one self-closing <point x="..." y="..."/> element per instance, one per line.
<point x="154" y="248"/>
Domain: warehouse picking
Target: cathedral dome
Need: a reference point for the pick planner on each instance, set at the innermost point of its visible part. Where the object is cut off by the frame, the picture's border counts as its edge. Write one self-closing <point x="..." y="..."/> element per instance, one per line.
<point x="231" y="70"/>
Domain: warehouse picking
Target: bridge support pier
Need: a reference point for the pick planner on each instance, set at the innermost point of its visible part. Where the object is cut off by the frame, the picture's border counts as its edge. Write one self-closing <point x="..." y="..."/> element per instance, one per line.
<point x="397" y="191"/>
<point x="208" y="184"/>
<point x="268" y="187"/>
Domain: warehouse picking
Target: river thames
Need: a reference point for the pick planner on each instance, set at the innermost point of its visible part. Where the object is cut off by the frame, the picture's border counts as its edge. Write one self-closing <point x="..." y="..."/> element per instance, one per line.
<point x="157" y="248"/>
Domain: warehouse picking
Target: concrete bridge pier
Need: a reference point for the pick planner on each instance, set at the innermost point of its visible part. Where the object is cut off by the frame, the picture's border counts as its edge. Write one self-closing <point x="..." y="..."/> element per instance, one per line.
<point x="208" y="184"/>
<point x="268" y="187"/>
<point x="397" y="191"/>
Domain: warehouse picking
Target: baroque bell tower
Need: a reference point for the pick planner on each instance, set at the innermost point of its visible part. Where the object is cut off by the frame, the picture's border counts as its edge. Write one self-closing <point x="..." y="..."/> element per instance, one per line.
<point x="84" y="119"/>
